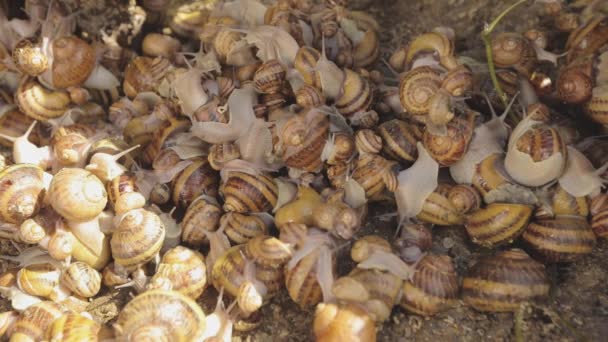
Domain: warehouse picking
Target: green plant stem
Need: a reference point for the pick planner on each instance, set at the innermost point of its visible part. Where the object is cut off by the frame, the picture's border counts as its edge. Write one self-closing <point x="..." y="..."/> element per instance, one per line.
<point x="485" y="36"/>
<point x="519" y="322"/>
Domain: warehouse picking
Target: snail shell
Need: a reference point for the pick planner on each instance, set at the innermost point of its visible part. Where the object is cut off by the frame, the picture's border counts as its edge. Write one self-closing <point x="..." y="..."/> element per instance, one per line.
<point x="437" y="42"/>
<point x="337" y="218"/>
<point x="39" y="103"/>
<point x="195" y="180"/>
<point x="513" y="50"/>
<point x="144" y="74"/>
<point x="29" y="58"/>
<point x="81" y="279"/>
<point x="309" y="97"/>
<point x="374" y="174"/>
<point x="574" y="83"/>
<point x="367" y="50"/>
<point x="433" y="288"/>
<point x="464" y="198"/>
<point x="300" y="209"/>
<point x="490" y="174"/>
<point x="307" y="155"/>
<point x="364" y="247"/>
<point x="413" y="243"/>
<point x="220" y="154"/>
<point x="183" y="270"/>
<point x="599" y="215"/>
<point x="458" y="81"/>
<point x="450" y="148"/>
<point x="202" y="215"/>
<point x="400" y="139"/>
<point x="341" y="148"/>
<point x="303" y="279"/>
<point x="269" y="77"/>
<point x="241" y="228"/>
<point x="356" y="94"/>
<point x="39" y="280"/>
<point x="137" y="239"/>
<point x="498" y="223"/>
<point x="337" y="322"/>
<point x="439" y="210"/>
<point x="366" y="141"/>
<point x="588" y="38"/>
<point x="73" y="61"/>
<point x="123" y="193"/>
<point x="305" y="62"/>
<point x="169" y="128"/>
<point x="13" y="123"/>
<point x="504" y="281"/>
<point x="146" y="317"/>
<point x="73" y="327"/>
<point x="77" y="194"/>
<point x="597" y="107"/>
<point x="562" y="239"/>
<point x="21" y="192"/>
<point x="245" y="193"/>
<point x="417" y="88"/>
<point x="156" y="44"/>
<point x="35" y="320"/>
<point x="270" y="255"/>
<point x="565" y="204"/>
<point x="71" y="144"/>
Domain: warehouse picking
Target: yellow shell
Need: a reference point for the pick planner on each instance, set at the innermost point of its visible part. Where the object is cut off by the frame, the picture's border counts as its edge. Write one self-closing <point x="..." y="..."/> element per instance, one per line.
<point x="343" y="322"/>
<point x="183" y="270"/>
<point x="203" y="215"/>
<point x="566" y="204"/>
<point x="81" y="279"/>
<point x="137" y="238"/>
<point x="123" y="193"/>
<point x="300" y="209"/>
<point x="437" y="42"/>
<point x="21" y="192"/>
<point x="144" y="74"/>
<point x="364" y="247"/>
<point x="195" y="180"/>
<point x="245" y="193"/>
<point x="269" y="77"/>
<point x="416" y="89"/>
<point x="39" y="279"/>
<point x="400" y="139"/>
<point x="35" y="320"/>
<point x="39" y="103"/>
<point x="147" y="317"/>
<point x="498" y="223"/>
<point x="504" y="281"/>
<point x="513" y="50"/>
<point x="73" y="327"/>
<point x="597" y="107"/>
<point x="241" y="228"/>
<point x="356" y="94"/>
<point x="305" y="63"/>
<point x="29" y="57"/>
<point x="368" y="49"/>
<point x="77" y="195"/>
<point x="73" y="61"/>
<point x="438" y="209"/>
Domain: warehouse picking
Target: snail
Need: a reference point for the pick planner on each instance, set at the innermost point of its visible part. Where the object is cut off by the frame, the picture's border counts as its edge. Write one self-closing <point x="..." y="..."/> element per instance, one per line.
<point x="449" y="148"/>
<point x="417" y="88"/>
<point x="23" y="190"/>
<point x="71" y="145"/>
<point x="599" y="210"/>
<point x="374" y="174"/>
<point x="241" y="228"/>
<point x="580" y="177"/>
<point x="498" y="223"/>
<point x="437" y="42"/>
<point x="305" y="153"/>
<point x="77" y="194"/>
<point x="269" y="77"/>
<point x="516" y="279"/>
<point x="25" y="152"/>
<point x="414" y="242"/>
<point x="366" y="141"/>
<point x="465" y="198"/>
<point x="106" y="166"/>
<point x="338" y="218"/>
<point x="81" y="279"/>
<point x="144" y="74"/>
<point x="196" y="179"/>
<point x="300" y="209"/>
<point x="203" y="214"/>
<point x="123" y="193"/>
<point x="337" y="322"/>
<point x="400" y="138"/>
<point x="76" y="327"/>
<point x="180" y="269"/>
<point x="13" y="123"/>
<point x="160" y="45"/>
<point x="35" y="320"/>
<point x="513" y="50"/>
<point x="249" y="193"/>
<point x="355" y="95"/>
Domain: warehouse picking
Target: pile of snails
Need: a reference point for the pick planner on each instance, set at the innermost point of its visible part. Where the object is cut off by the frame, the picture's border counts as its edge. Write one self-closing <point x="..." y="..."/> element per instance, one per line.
<point x="240" y="146"/>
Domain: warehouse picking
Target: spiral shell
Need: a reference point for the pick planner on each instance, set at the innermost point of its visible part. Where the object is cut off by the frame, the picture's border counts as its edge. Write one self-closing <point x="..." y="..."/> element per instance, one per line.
<point x="241" y="228"/>
<point x="574" y="83"/>
<point x="337" y="322"/>
<point x="245" y="193"/>
<point x="309" y="97"/>
<point x="77" y="195"/>
<point x="464" y="198"/>
<point x="490" y="174"/>
<point x="302" y="278"/>
<point x="307" y="155"/>
<point x="504" y="281"/>
<point x="458" y="81"/>
<point x="81" y="279"/>
<point x="73" y="61"/>
<point x="137" y="239"/>
<point x="417" y="88"/>
<point x="337" y="218"/>
<point x="367" y="50"/>
<point x="13" y="123"/>
<point x="39" y="279"/>
<point x="562" y="239"/>
<point x="156" y="44"/>
<point x="343" y="148"/>
<point x="183" y="270"/>
<point x="356" y="94"/>
<point x="39" y="103"/>
<point x="513" y="50"/>
<point x="73" y="327"/>
<point x="29" y="58"/>
<point x="195" y="180"/>
<point x="364" y="247"/>
<point x="305" y="63"/>
<point x="35" y="320"/>
<point x="162" y="135"/>
<point x="450" y="148"/>
<point x="374" y="174"/>
<point x="400" y="139"/>
<point x="599" y="215"/>
<point x="438" y="209"/>
<point x="144" y="74"/>
<point x="367" y="141"/>
<point x="203" y="215"/>
<point x="71" y="144"/>
<point x="269" y="77"/>
<point x="21" y="192"/>
<point x="413" y="243"/>
<point x="433" y="288"/>
<point x="219" y="154"/>
<point x="123" y="193"/>
<point x="498" y="223"/>
<point x="597" y="107"/>
<point x="147" y="317"/>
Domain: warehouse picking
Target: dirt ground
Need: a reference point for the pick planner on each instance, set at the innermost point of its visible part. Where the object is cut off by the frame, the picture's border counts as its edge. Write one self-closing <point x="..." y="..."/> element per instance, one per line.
<point x="577" y="309"/>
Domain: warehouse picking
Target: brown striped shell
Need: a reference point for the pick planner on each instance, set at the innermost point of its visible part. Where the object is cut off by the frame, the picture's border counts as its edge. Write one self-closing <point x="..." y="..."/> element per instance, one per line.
<point x="588" y="38"/>
<point x="366" y="141"/>
<point x="433" y="288"/>
<point x="144" y="74"/>
<point x="415" y="240"/>
<point x="29" y="58"/>
<point x="562" y="239"/>
<point x="416" y="89"/>
<point x="123" y="193"/>
<point x="498" y="223"/>
<point x="305" y="63"/>
<point x="77" y="194"/>
<point x="81" y="279"/>
<point x="35" y="320"/>
<point x="343" y="322"/>
<point x="73" y="61"/>
<point x="39" y="103"/>
<point x="269" y="77"/>
<point x="146" y="317"/>
<point x="490" y="174"/>
<point x="182" y="270"/>
<point x="438" y="209"/>
<point x="513" y="50"/>
<point x="356" y="94"/>
<point x="13" y="123"/>
<point x="40" y="280"/>
<point x="565" y="204"/>
<point x="21" y="192"/>
<point x="161" y="136"/>
<point x="240" y="228"/>
<point x="309" y="97"/>
<point x="597" y="107"/>
<point x="302" y="278"/>
<point x="504" y="281"/>
<point x="219" y="154"/>
<point x="437" y="42"/>
<point x="574" y="83"/>
<point x="450" y="148"/>
<point x="599" y="215"/>
<point x="73" y="327"/>
<point x="465" y="198"/>
<point x="137" y="239"/>
<point x="367" y="51"/>
<point x="203" y="215"/>
<point x="400" y="139"/>
<point x="195" y="180"/>
<point x="458" y="81"/>
<point x="307" y="155"/>
<point x="343" y="148"/>
<point x="246" y="193"/>
<point x="374" y="173"/>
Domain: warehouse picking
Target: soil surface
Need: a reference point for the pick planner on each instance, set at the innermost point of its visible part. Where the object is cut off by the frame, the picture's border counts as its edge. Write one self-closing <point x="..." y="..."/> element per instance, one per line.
<point x="577" y="309"/>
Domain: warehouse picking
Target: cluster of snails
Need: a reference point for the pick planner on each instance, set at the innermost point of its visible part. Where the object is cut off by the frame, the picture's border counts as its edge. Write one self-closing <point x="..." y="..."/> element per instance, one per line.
<point x="241" y="149"/>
